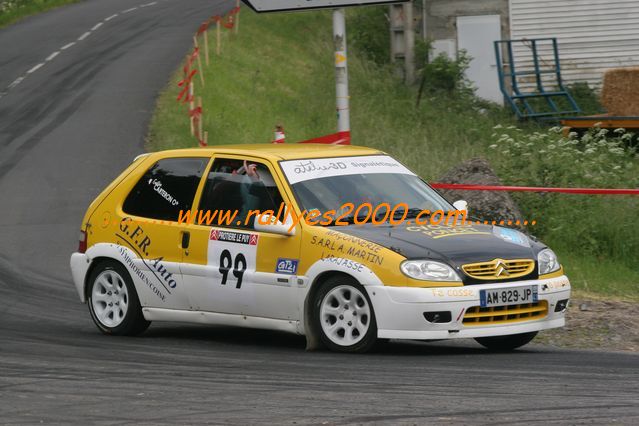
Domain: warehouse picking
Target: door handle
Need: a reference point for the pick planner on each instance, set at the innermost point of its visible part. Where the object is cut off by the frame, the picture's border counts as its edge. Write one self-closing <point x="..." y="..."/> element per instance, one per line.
<point x="186" y="239"/>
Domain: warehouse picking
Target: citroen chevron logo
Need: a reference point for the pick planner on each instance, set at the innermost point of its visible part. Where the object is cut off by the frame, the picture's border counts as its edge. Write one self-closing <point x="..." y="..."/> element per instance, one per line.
<point x="500" y="268"/>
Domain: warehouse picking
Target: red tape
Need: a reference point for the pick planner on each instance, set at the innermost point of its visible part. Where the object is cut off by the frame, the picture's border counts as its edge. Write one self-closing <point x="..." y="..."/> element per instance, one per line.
<point x="202" y="28"/>
<point x="195" y="112"/>
<point x="603" y="191"/>
<point x="339" y="138"/>
<point x="184" y="84"/>
<point x="229" y="22"/>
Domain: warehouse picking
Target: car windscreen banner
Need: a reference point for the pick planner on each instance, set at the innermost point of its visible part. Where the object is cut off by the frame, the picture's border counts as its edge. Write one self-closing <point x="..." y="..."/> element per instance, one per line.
<point x="315" y="168"/>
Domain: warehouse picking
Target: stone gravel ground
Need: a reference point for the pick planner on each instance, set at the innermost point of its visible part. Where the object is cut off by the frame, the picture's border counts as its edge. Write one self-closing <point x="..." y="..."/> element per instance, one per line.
<point x="594" y="323"/>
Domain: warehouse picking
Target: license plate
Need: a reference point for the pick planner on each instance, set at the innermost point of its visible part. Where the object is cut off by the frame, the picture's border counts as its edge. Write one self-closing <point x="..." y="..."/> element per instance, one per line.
<point x="508" y="296"/>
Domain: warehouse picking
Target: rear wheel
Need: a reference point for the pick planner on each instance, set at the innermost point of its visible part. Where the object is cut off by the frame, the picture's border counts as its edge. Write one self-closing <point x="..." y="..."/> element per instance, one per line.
<point x="506" y="343"/>
<point x="343" y="315"/>
<point x="113" y="301"/>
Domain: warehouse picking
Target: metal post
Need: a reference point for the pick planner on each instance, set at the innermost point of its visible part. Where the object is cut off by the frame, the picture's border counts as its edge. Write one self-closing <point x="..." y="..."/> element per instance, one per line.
<point x="409" y="37"/>
<point x="341" y="71"/>
<point x="424" y="21"/>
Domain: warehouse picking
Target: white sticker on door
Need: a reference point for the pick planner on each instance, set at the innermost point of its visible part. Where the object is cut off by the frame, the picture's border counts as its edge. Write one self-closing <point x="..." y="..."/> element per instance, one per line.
<point x="234" y="255"/>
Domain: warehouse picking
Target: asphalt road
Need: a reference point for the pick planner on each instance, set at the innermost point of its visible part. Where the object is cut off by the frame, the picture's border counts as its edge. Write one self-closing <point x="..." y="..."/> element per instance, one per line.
<point x="70" y="126"/>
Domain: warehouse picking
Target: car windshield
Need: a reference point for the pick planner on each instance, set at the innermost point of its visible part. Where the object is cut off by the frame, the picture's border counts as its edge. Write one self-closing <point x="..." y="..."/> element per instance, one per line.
<point x="328" y="184"/>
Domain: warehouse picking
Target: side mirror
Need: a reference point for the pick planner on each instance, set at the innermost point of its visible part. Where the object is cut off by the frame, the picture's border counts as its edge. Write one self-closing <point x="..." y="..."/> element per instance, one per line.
<point x="461" y="205"/>
<point x="269" y="223"/>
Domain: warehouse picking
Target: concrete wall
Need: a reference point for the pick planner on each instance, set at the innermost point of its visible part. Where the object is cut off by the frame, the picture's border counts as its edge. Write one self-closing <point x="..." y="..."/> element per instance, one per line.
<point x="442" y="15"/>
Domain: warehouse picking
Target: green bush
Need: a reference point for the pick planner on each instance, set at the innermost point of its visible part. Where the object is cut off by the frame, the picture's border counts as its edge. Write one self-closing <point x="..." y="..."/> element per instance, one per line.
<point x="368" y="33"/>
<point x="13" y="10"/>
<point x="586" y="98"/>
<point x="590" y="224"/>
<point x="443" y="74"/>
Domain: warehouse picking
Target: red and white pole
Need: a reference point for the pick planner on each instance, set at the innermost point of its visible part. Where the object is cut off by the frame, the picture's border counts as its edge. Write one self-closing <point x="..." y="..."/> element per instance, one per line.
<point x="280" y="137"/>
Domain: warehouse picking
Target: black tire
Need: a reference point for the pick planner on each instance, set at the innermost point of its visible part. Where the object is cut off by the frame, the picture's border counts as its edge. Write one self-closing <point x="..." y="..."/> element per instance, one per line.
<point x="132" y="321"/>
<point x="358" y="302"/>
<point x="506" y="343"/>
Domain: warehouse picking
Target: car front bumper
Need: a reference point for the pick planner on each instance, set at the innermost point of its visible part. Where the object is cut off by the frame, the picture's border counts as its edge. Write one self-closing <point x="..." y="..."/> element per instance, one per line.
<point x="400" y="311"/>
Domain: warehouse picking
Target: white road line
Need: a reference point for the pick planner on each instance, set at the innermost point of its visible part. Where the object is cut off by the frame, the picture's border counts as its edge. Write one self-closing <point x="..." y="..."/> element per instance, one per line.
<point x="36" y="68"/>
<point x="16" y="82"/>
<point x="68" y="45"/>
<point x="53" y="55"/>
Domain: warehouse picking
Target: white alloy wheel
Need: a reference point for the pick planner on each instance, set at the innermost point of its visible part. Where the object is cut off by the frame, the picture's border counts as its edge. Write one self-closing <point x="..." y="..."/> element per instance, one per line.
<point x="110" y="298"/>
<point x="345" y="315"/>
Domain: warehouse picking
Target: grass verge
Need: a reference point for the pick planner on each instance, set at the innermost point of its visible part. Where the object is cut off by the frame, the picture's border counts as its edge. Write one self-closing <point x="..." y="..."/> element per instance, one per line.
<point x="279" y="69"/>
<point x="12" y="11"/>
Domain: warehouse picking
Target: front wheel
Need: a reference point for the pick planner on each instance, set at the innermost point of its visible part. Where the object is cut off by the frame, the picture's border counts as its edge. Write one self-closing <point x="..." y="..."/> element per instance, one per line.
<point x="113" y="301"/>
<point x="344" y="316"/>
<point x="506" y="343"/>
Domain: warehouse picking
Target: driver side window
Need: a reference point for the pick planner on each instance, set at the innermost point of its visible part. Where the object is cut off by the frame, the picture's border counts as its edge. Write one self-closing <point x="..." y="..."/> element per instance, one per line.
<point x="234" y="188"/>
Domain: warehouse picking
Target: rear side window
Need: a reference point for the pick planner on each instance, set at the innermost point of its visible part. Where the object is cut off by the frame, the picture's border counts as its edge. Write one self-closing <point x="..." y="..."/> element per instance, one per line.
<point x="166" y="188"/>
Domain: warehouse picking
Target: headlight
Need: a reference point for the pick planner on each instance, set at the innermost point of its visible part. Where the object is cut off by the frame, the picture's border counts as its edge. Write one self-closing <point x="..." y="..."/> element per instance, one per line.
<point x="428" y="270"/>
<point x="548" y="262"/>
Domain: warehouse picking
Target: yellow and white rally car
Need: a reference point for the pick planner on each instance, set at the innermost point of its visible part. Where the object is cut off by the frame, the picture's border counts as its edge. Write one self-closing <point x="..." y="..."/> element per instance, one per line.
<point x="148" y="253"/>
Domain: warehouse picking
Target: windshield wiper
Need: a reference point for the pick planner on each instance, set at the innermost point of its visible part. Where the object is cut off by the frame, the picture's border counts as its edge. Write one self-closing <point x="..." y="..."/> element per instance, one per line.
<point x="351" y="219"/>
<point x="411" y="213"/>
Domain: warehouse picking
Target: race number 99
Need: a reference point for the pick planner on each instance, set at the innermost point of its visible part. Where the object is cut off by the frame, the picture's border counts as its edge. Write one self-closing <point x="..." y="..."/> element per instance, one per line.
<point x="228" y="264"/>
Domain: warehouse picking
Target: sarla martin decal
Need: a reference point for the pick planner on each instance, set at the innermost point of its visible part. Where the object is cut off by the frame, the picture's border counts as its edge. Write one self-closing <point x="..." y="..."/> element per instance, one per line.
<point x="301" y="170"/>
<point x="235" y="254"/>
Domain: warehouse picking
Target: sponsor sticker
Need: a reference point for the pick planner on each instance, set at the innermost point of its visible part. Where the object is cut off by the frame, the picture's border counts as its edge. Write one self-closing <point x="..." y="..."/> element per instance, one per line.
<point x="138" y="241"/>
<point x="286" y="266"/>
<point x="233" y="256"/>
<point x="511" y="236"/>
<point x="444" y="231"/>
<point x="157" y="187"/>
<point x="301" y="170"/>
<point x="233" y="237"/>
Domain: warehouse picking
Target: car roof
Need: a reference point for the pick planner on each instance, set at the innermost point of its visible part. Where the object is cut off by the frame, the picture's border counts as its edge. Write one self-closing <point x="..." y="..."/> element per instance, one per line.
<point x="279" y="151"/>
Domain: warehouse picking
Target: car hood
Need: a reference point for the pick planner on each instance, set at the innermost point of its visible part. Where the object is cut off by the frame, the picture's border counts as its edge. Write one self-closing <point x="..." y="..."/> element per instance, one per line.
<point x="454" y="245"/>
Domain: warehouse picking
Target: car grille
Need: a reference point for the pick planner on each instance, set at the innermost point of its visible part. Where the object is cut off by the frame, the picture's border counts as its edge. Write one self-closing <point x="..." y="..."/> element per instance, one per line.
<point x="499" y="269"/>
<point x="505" y="314"/>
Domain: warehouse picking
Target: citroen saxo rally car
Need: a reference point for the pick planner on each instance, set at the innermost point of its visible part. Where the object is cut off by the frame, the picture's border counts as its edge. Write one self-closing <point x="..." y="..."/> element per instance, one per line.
<point x="147" y="254"/>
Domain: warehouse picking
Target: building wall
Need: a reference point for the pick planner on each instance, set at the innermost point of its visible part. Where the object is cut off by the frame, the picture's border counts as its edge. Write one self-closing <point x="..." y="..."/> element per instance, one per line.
<point x="442" y="15"/>
<point x="593" y="35"/>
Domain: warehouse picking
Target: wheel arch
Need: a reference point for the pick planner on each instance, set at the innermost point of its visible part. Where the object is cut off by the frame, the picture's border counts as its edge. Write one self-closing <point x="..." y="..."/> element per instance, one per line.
<point x="98" y="254"/>
<point x="313" y="341"/>
<point x="318" y="273"/>
<point x="95" y="262"/>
